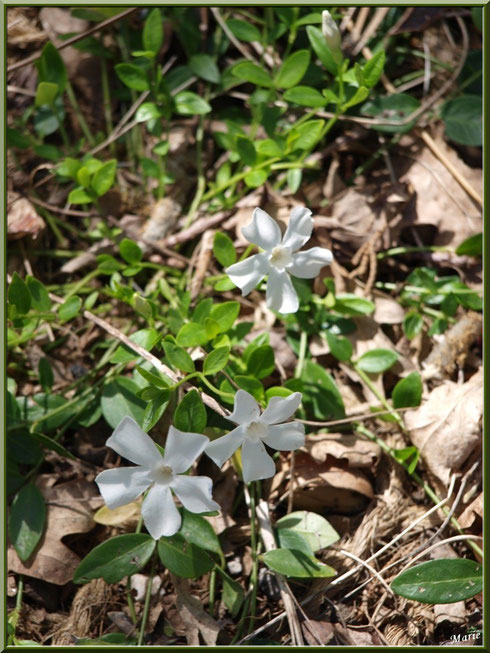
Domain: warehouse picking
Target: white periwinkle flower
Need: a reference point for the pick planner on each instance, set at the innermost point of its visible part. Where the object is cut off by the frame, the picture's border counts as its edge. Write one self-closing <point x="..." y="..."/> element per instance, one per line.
<point x="254" y="430"/>
<point x="279" y="259"/>
<point x="330" y="31"/>
<point x="161" y="474"/>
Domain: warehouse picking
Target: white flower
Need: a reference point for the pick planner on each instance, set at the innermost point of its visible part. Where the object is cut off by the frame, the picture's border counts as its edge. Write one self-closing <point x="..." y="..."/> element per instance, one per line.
<point x="254" y="430"/>
<point x="330" y="31"/>
<point x="163" y="473"/>
<point x="280" y="258"/>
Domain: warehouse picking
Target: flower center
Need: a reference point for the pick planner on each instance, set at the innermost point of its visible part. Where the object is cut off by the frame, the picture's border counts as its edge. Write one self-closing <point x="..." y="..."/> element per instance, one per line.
<point x="256" y="431"/>
<point x="280" y="257"/>
<point x="163" y="474"/>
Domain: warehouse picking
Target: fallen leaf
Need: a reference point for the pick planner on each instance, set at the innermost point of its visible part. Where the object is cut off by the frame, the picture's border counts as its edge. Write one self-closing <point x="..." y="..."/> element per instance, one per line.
<point x="122" y="516"/>
<point x="472" y="513"/>
<point x="69" y="508"/>
<point x="446" y="428"/>
<point x="388" y="311"/>
<point x="22" y="218"/>
<point x="356" y="451"/>
<point x="197" y="620"/>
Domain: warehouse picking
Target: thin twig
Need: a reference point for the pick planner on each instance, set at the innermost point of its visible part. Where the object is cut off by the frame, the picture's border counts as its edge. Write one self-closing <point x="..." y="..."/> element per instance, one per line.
<point x="371" y="569"/>
<point x="219" y="19"/>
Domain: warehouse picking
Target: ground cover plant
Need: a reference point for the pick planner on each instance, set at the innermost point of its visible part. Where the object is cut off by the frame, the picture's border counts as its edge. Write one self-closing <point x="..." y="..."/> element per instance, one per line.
<point x="244" y="376"/>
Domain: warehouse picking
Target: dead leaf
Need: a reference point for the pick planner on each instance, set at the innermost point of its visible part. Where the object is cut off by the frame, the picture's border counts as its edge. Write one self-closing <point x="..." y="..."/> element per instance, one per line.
<point x="388" y="311"/>
<point x="21" y="30"/>
<point x="472" y="513"/>
<point x="356" y="451"/>
<point x="123" y="516"/>
<point x="22" y="218"/>
<point x="446" y="428"/>
<point x="69" y="508"/>
<point x="197" y="620"/>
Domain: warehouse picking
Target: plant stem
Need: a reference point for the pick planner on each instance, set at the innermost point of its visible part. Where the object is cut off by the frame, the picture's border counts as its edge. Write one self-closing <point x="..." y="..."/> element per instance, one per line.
<point x="365" y="378"/>
<point x="212" y="591"/>
<point x="83" y="282"/>
<point x="238" y="177"/>
<point x="255" y="559"/>
<point x="107" y="103"/>
<point x="303" y="343"/>
<point x="394" y="251"/>
<point x="76" y="108"/>
<point x="201" y="179"/>
<point x="146" y="609"/>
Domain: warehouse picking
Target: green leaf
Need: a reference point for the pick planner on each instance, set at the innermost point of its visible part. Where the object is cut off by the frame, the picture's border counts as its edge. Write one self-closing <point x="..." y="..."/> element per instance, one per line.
<point x="294" y="177"/>
<point x="130" y="251"/>
<point x="69" y="309"/>
<point x="148" y="111"/>
<point x="250" y="72"/>
<point x="320" y="393"/>
<point x="296" y="564"/>
<point x="321" y="49"/>
<point x="308" y="134"/>
<point x="192" y="335"/>
<point x="463" y="120"/>
<point x="305" y="96"/>
<point x="261" y="362"/>
<point x="183" y="558"/>
<point x="408" y="391"/>
<point x="83" y="177"/>
<point x="405" y="454"/>
<point x="269" y="147"/>
<point x="123" y="555"/>
<point x="373" y="68"/>
<point x="133" y="76"/>
<point x="377" y="360"/>
<point x="256" y="178"/>
<point x="188" y="103"/>
<point x="359" y="96"/>
<point x="146" y="338"/>
<point x="197" y="530"/>
<point x="26" y="520"/>
<point x="340" y="347"/>
<point x="289" y="539"/>
<point x="111" y="639"/>
<point x="246" y="150"/>
<point x="178" y="357"/>
<point x="314" y="528"/>
<point x="203" y="66"/>
<point x="216" y="360"/>
<point x="150" y="168"/>
<point x="16" y="138"/>
<point x="19" y="295"/>
<point x="162" y="148"/>
<point x="392" y="108"/>
<point x="440" y="581"/>
<point x="153" y="31"/>
<point x="233" y="593"/>
<point x="250" y="384"/>
<point x="104" y="177"/>
<point x="243" y="30"/>
<point x="225" y="314"/>
<point x="203" y="308"/>
<point x="119" y="399"/>
<point x="472" y="246"/>
<point x="51" y="67"/>
<point x="79" y="196"/>
<point x="223" y="249"/>
<point x="293" y="69"/>
<point x="46" y="93"/>
<point x="190" y="415"/>
<point x="46" y="376"/>
<point x="412" y="324"/>
<point x="349" y="304"/>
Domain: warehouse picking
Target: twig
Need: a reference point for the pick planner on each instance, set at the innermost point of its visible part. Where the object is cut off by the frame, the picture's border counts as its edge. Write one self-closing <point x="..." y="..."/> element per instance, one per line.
<point x="373" y="25"/>
<point x="56" y="209"/>
<point x="371" y="569"/>
<point x="347" y="420"/>
<point x="74" y="39"/>
<point x="219" y="19"/>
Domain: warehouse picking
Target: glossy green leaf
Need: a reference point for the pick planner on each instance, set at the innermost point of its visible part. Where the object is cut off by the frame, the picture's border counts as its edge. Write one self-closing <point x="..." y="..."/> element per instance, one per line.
<point x="256" y="178"/>
<point x="197" y="530"/>
<point x="463" y="119"/>
<point x="251" y="72"/>
<point x="216" y="360"/>
<point x="408" y="391"/>
<point x="233" y="593"/>
<point x="393" y="109"/>
<point x="26" y="520"/>
<point x="289" y="539"/>
<point x="377" y="360"/>
<point x="440" y="581"/>
<point x="204" y="66"/>
<point x="412" y="324"/>
<point x="225" y="314"/>
<point x="296" y="564"/>
<point x="183" y="558"/>
<point x="243" y="30"/>
<point x="46" y="376"/>
<point x="313" y="527"/>
<point x="69" y="309"/>
<point x="359" y="96"/>
<point x="293" y="69"/>
<point x="223" y="249"/>
<point x="190" y="415"/>
<point x="104" y="177"/>
<point x="192" y="335"/>
<point x="321" y="49"/>
<point x="305" y="96"/>
<point x="120" y="556"/>
<point x="188" y="103"/>
<point x="340" y="347"/>
<point x="349" y="304"/>
<point x="250" y="384"/>
<point x="51" y="67"/>
<point x="373" y="68"/>
<point x="19" y="295"/>
<point x="133" y="76"/>
<point x="148" y="111"/>
<point x="294" y="177"/>
<point x="308" y="134"/>
<point x="472" y="246"/>
<point x="130" y="251"/>
<point x="46" y="93"/>
<point x="178" y="357"/>
<point x="153" y="31"/>
<point x="261" y="362"/>
<point x="320" y="393"/>
<point x="120" y="399"/>
<point x="246" y="150"/>
<point x="79" y="196"/>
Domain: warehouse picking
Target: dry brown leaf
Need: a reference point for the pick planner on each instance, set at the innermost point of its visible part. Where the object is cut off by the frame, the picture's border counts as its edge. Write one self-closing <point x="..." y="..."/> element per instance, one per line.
<point x="388" y="311"/>
<point x="22" y="218"/>
<point x="356" y="451"/>
<point x="446" y="428"/>
<point x="197" y="620"/>
<point x="21" y="30"/>
<point x="69" y="508"/>
<point x="122" y="516"/>
<point x="472" y="513"/>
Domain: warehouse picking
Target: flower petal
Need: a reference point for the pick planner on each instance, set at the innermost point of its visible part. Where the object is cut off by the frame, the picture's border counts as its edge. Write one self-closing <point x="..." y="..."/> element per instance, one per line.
<point x="280" y="409"/>
<point x="299" y="228"/>
<point x="159" y="512"/>
<point x="256" y="462"/>
<point x="195" y="492"/>
<point x="182" y="449"/>
<point x="122" y="485"/>
<point x="286" y="437"/>
<point x="248" y="273"/>
<point x="308" y="264"/>
<point x="245" y="410"/>
<point x="131" y="442"/>
<point x="223" y="448"/>
<point x="262" y="231"/>
<point x="280" y="294"/>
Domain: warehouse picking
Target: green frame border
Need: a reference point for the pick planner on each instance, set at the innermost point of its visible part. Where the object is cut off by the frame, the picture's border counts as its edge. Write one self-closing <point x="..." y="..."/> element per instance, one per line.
<point x="486" y="239"/>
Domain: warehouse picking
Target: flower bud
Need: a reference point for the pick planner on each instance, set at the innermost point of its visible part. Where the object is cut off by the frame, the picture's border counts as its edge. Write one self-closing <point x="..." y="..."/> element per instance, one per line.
<point x="330" y="31"/>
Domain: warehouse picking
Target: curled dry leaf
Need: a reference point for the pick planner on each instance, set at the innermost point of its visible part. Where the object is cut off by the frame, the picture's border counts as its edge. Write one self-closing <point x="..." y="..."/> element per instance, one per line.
<point x="388" y="311"/>
<point x="69" y="508"/>
<point x="446" y="428"/>
<point x="197" y="620"/>
<point x="473" y="513"/>
<point x="22" y="218"/>
<point x="348" y="447"/>
<point x="321" y="487"/>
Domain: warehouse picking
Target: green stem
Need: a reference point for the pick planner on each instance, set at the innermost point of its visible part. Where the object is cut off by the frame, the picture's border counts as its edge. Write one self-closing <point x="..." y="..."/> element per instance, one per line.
<point x="365" y="378"/>
<point x="83" y="282"/>
<point x="64" y="135"/>
<point x="303" y="343"/>
<point x="238" y="177"/>
<point x="255" y="559"/>
<point x="107" y="103"/>
<point x="394" y="251"/>
<point x="201" y="179"/>
<point x="427" y="489"/>
<point x="146" y="609"/>
<point x="76" y="108"/>
<point x="212" y="591"/>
